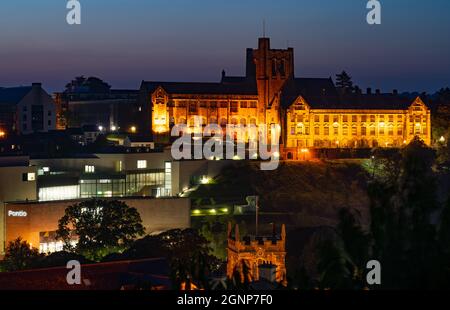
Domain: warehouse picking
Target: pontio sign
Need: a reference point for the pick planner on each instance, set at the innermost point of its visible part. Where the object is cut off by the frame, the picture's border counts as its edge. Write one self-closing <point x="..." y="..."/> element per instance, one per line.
<point x="12" y="213"/>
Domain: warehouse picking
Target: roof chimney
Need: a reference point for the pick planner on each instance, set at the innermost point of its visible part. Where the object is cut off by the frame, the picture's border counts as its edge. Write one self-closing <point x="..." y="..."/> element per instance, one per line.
<point x="395" y="92"/>
<point x="377" y="91"/>
<point x="36" y="85"/>
<point x="369" y="91"/>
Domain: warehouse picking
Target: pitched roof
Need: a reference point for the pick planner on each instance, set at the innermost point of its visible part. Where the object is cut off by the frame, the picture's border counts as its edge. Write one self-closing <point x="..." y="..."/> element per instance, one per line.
<point x="322" y="94"/>
<point x="195" y="88"/>
<point x="375" y="101"/>
<point x="13" y="95"/>
<point x="318" y="92"/>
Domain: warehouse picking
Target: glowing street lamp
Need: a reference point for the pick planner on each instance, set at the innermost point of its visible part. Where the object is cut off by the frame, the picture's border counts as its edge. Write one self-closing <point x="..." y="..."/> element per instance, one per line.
<point x="442" y="139"/>
<point x="133" y="129"/>
<point x="2" y="134"/>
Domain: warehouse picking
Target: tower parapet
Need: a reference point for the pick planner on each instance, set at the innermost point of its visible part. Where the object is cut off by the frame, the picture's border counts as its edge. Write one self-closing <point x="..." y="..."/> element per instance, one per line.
<point x="250" y="252"/>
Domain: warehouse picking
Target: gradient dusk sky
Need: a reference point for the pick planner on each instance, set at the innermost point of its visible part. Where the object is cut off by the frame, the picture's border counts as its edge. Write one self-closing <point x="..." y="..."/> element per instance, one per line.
<point x="126" y="41"/>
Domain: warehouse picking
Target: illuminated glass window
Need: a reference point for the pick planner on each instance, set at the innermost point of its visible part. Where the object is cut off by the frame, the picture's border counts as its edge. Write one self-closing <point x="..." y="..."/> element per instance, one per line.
<point x="31" y="176"/>
<point x="142" y="164"/>
<point x="168" y="178"/>
<point x="59" y="193"/>
<point x="89" y="169"/>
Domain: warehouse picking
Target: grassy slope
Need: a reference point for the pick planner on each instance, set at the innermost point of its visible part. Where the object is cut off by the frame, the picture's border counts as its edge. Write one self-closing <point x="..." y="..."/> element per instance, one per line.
<point x="309" y="194"/>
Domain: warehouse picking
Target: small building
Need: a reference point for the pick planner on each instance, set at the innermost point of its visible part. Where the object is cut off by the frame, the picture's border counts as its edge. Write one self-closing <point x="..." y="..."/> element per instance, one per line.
<point x="257" y="258"/>
<point x="26" y="109"/>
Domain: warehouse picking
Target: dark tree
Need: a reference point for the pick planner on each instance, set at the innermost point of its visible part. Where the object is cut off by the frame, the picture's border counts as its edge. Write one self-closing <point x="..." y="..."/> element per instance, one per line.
<point x="407" y="235"/>
<point x="344" y="81"/>
<point x="102" y="227"/>
<point x="90" y="84"/>
<point x="19" y="256"/>
<point x="187" y="251"/>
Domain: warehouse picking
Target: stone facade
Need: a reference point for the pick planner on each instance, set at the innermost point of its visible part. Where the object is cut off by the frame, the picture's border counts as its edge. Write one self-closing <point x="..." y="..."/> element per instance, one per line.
<point x="311" y="112"/>
<point x="253" y="252"/>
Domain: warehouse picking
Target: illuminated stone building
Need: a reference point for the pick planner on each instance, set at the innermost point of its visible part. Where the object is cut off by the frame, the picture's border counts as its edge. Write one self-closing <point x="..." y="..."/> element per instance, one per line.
<point x="255" y="253"/>
<point x="311" y="112"/>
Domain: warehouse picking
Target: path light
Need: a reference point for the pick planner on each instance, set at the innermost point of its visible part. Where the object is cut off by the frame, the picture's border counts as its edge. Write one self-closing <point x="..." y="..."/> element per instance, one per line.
<point x="205" y="180"/>
<point x="441" y="139"/>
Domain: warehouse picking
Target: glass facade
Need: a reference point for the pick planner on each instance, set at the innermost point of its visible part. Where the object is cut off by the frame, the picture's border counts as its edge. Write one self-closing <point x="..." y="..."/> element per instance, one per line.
<point x="59" y="193"/>
<point x="145" y="183"/>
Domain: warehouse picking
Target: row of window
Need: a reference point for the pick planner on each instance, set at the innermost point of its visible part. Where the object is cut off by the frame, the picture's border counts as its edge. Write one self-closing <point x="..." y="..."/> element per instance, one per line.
<point x="355" y="118"/>
<point x="214" y="120"/>
<point x="141" y="164"/>
<point x="193" y="106"/>
<point x="363" y="131"/>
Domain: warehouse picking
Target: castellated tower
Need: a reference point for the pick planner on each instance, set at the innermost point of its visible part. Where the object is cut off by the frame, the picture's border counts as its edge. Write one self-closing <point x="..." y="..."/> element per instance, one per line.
<point x="252" y="252"/>
<point x="273" y="68"/>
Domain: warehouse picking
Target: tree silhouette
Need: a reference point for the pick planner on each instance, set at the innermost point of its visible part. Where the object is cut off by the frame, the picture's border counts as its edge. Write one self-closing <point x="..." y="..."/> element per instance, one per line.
<point x="102" y="227"/>
<point x="344" y="82"/>
<point x="19" y="256"/>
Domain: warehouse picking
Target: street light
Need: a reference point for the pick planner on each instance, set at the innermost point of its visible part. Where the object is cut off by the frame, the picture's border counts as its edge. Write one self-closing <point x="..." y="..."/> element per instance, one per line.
<point x="133" y="129"/>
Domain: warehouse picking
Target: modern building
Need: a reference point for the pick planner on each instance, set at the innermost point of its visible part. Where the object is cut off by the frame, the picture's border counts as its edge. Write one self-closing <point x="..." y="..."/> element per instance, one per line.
<point x="37" y="222"/>
<point x="25" y="110"/>
<point x="35" y="191"/>
<point x="311" y="112"/>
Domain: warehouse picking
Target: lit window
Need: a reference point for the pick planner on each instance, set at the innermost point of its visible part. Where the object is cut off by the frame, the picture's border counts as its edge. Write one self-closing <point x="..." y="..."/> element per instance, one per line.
<point x="89" y="169"/>
<point x="141" y="164"/>
<point x="31" y="176"/>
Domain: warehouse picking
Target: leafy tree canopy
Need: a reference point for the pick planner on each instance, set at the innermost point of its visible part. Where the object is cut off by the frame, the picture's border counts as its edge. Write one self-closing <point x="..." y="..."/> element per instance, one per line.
<point x="102" y="226"/>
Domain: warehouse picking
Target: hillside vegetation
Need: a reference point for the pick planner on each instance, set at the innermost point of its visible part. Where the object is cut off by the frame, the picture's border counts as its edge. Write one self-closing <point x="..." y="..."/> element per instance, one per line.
<point x="308" y="194"/>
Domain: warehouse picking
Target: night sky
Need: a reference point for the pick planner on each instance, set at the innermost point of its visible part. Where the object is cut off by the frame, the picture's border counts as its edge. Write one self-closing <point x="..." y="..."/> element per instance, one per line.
<point x="126" y="41"/>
